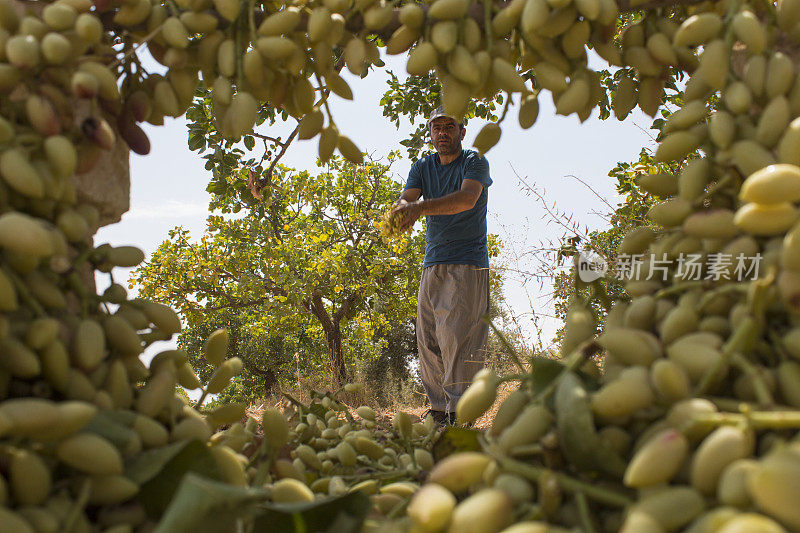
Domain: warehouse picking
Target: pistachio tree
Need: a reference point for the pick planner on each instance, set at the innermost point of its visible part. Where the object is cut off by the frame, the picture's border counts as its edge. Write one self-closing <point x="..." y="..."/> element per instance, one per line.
<point x="311" y="258"/>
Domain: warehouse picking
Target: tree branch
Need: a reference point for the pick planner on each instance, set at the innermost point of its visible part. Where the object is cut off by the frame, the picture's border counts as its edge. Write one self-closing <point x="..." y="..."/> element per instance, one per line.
<point x="317" y="308"/>
<point x="233" y="305"/>
<point x="284" y="146"/>
<point x="267" y="138"/>
<point x="345" y="307"/>
<point x="274" y="291"/>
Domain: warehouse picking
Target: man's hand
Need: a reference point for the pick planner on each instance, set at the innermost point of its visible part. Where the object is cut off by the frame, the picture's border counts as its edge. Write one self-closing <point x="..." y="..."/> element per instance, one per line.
<point x="408" y="211"/>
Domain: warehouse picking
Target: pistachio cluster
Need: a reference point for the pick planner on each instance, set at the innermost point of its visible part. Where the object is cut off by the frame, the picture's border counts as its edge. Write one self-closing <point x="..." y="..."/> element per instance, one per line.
<point x="692" y="424"/>
<point x="333" y="453"/>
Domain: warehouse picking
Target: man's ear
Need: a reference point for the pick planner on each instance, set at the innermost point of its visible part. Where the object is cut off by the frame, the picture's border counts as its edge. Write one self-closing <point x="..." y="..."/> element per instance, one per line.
<point x="463" y="132"/>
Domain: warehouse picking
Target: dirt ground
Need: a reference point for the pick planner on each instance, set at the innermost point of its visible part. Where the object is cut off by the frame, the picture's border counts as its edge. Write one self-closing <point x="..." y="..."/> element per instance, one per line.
<point x="386" y="414"/>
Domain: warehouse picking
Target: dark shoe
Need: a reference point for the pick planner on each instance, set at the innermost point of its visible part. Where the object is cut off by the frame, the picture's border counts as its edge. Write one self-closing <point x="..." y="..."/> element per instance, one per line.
<point x="453" y="421"/>
<point x="440" y="417"/>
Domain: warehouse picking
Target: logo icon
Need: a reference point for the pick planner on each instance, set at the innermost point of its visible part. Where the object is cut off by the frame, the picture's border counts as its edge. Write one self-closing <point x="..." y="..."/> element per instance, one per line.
<point x="591" y="267"/>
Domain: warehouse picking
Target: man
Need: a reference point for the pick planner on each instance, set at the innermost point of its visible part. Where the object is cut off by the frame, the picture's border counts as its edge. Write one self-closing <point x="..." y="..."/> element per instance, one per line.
<point x="454" y="289"/>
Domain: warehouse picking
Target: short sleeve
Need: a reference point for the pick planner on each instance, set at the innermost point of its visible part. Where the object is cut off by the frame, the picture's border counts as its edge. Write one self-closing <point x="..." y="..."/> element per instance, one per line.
<point x="477" y="168"/>
<point x="414" y="180"/>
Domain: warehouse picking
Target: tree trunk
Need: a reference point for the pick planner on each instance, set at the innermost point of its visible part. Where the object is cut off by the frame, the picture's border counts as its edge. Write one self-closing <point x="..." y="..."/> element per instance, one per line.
<point x="338" y="368"/>
<point x="268" y="375"/>
<point x="270" y="382"/>
<point x="333" y="339"/>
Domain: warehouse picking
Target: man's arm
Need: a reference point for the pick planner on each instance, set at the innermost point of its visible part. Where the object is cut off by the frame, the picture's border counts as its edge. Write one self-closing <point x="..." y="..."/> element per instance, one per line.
<point x="410" y="195"/>
<point x="456" y="202"/>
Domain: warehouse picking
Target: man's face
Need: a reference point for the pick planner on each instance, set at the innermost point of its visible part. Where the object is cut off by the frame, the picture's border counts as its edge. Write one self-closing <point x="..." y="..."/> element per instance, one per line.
<point x="446" y="135"/>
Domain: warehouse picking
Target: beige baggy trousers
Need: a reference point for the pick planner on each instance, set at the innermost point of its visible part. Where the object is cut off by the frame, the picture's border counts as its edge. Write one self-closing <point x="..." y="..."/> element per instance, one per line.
<point x="451" y="330"/>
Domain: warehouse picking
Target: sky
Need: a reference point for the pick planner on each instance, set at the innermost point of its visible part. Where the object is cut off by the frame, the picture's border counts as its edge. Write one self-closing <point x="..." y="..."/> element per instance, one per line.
<point x="553" y="157"/>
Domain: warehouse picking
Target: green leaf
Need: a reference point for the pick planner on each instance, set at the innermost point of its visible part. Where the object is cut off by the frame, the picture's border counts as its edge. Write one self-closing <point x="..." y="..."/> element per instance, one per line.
<point x="196" y="142"/>
<point x="545" y="370"/>
<point x="159" y="472"/>
<point x="342" y="514"/>
<point x="577" y="434"/>
<point x="110" y="429"/>
<point x="318" y="410"/>
<point x="219" y="187"/>
<point x="209" y="506"/>
<point x="455" y="440"/>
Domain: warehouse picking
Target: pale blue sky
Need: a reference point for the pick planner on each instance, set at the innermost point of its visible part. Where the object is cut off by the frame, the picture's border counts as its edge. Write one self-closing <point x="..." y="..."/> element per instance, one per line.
<point x="168" y="185"/>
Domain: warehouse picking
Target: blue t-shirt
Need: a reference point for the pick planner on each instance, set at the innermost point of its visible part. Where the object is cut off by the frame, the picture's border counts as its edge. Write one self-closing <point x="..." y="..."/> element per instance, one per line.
<point x="458" y="239"/>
